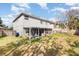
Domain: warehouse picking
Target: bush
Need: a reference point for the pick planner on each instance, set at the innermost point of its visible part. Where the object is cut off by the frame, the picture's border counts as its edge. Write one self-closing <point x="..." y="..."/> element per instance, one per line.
<point x="24" y="37"/>
<point x="35" y="40"/>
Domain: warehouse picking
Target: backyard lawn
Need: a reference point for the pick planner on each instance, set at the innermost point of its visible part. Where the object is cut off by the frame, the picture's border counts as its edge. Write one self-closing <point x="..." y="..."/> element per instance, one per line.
<point x="8" y="39"/>
<point x="57" y="44"/>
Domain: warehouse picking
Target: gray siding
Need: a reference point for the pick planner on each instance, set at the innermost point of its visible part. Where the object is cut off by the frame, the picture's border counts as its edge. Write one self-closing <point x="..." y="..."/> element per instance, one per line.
<point x="21" y="23"/>
<point x="18" y="25"/>
<point x="36" y="23"/>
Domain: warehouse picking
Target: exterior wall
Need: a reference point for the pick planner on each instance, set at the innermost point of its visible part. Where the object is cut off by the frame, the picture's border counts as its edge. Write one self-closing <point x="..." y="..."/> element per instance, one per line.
<point x="36" y="23"/>
<point x="18" y="25"/>
<point x="22" y="23"/>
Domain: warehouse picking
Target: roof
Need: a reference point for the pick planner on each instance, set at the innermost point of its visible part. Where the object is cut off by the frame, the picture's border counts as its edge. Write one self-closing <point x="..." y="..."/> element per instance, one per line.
<point x="25" y="14"/>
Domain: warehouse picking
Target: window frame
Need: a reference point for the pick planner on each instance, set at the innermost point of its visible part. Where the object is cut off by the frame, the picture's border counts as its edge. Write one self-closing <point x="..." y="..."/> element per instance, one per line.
<point x="26" y="17"/>
<point x="41" y="22"/>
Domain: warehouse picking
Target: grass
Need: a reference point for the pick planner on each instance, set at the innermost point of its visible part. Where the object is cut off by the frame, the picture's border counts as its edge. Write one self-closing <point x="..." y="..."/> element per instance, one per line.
<point x="8" y="39"/>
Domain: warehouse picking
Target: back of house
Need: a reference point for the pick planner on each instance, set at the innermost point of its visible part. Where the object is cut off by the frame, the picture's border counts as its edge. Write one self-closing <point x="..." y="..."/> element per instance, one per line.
<point x="32" y="26"/>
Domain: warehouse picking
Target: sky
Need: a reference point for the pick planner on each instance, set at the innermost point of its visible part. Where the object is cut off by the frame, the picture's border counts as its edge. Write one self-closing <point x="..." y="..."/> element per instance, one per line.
<point x="48" y="11"/>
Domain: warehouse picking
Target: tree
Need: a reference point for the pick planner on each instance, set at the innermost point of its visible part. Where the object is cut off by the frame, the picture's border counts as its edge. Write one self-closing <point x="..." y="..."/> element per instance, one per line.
<point x="61" y="25"/>
<point x="2" y="25"/>
<point x="0" y="22"/>
<point x="73" y="19"/>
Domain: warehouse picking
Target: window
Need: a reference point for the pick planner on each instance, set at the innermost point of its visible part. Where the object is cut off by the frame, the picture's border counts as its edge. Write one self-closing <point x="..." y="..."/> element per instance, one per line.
<point x="26" y="18"/>
<point x="46" y="23"/>
<point x="26" y="30"/>
<point x="41" y="22"/>
<point x="50" y="24"/>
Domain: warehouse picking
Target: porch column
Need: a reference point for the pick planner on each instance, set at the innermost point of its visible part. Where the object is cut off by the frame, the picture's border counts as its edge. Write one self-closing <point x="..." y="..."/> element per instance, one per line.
<point x="29" y="33"/>
<point x="38" y="31"/>
<point x="44" y="31"/>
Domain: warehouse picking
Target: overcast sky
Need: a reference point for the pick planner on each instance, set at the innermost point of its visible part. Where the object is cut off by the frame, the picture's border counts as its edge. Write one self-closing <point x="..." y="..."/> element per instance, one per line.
<point x="50" y="11"/>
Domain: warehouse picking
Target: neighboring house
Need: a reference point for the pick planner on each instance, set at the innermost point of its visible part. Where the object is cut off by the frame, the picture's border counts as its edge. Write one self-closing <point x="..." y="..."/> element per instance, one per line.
<point x="31" y="25"/>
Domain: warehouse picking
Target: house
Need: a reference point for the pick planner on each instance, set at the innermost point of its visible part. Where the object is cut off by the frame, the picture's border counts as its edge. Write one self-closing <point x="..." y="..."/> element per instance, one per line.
<point x="31" y="25"/>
